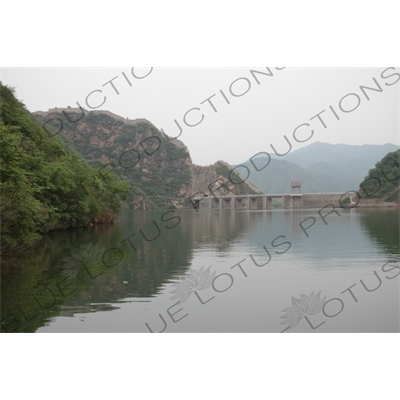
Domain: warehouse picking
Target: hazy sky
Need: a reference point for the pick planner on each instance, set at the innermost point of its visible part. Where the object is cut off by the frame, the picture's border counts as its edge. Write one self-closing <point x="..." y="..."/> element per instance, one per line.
<point x="258" y="115"/>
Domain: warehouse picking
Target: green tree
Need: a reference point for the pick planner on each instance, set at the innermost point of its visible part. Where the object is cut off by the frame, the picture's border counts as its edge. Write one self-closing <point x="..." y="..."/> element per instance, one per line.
<point x="383" y="181"/>
<point x="43" y="187"/>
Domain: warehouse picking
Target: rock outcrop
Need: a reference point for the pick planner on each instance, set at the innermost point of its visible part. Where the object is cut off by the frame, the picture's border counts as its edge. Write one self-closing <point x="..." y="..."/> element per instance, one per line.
<point x="158" y="168"/>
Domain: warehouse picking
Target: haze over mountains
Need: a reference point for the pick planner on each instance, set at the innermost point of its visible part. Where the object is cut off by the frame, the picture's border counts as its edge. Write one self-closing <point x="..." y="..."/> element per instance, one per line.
<point x="101" y="136"/>
<point x="321" y="167"/>
<point x="170" y="173"/>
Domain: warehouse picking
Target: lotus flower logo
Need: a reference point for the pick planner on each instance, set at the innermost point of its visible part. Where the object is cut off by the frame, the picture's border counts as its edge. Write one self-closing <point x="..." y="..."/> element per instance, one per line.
<point x="194" y="280"/>
<point x="81" y="257"/>
<point x="306" y="305"/>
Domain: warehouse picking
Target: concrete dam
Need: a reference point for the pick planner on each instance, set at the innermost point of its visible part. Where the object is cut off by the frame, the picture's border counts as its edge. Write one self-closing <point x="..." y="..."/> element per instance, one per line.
<point x="264" y="201"/>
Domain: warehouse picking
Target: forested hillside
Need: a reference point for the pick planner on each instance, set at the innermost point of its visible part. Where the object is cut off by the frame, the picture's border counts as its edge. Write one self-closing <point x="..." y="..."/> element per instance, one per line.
<point x="383" y="181"/>
<point x="44" y="187"/>
<point x="159" y="170"/>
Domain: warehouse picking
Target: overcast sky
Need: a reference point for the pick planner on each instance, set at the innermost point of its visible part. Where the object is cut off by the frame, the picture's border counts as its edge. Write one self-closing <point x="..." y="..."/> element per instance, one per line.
<point x="258" y="115"/>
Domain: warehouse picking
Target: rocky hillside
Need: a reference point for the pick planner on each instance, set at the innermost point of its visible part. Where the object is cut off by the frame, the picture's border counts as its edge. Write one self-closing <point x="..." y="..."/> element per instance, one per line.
<point x="160" y="171"/>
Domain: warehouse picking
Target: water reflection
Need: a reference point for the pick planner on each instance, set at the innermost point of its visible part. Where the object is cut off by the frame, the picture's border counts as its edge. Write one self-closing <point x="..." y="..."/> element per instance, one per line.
<point x="383" y="227"/>
<point x="65" y="274"/>
<point x="39" y="284"/>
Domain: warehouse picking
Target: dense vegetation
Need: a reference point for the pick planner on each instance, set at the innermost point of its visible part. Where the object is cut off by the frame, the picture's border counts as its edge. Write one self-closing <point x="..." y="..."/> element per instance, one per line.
<point x="44" y="187"/>
<point x="383" y="181"/>
<point x="157" y="170"/>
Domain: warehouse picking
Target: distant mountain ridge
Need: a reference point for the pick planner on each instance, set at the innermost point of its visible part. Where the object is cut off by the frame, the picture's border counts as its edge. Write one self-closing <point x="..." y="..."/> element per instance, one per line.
<point x="321" y="167"/>
<point x="337" y="154"/>
<point x="167" y="178"/>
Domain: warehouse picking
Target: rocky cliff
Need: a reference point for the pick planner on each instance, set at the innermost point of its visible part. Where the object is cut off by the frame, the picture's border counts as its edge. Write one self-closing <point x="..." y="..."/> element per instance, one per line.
<point x="159" y="169"/>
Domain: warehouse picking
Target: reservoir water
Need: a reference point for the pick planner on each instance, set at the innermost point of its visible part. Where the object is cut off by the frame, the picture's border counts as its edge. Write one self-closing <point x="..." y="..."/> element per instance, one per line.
<point x="211" y="271"/>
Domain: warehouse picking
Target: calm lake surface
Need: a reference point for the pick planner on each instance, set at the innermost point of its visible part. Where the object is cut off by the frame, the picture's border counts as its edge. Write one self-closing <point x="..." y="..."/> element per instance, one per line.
<point x="231" y="271"/>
